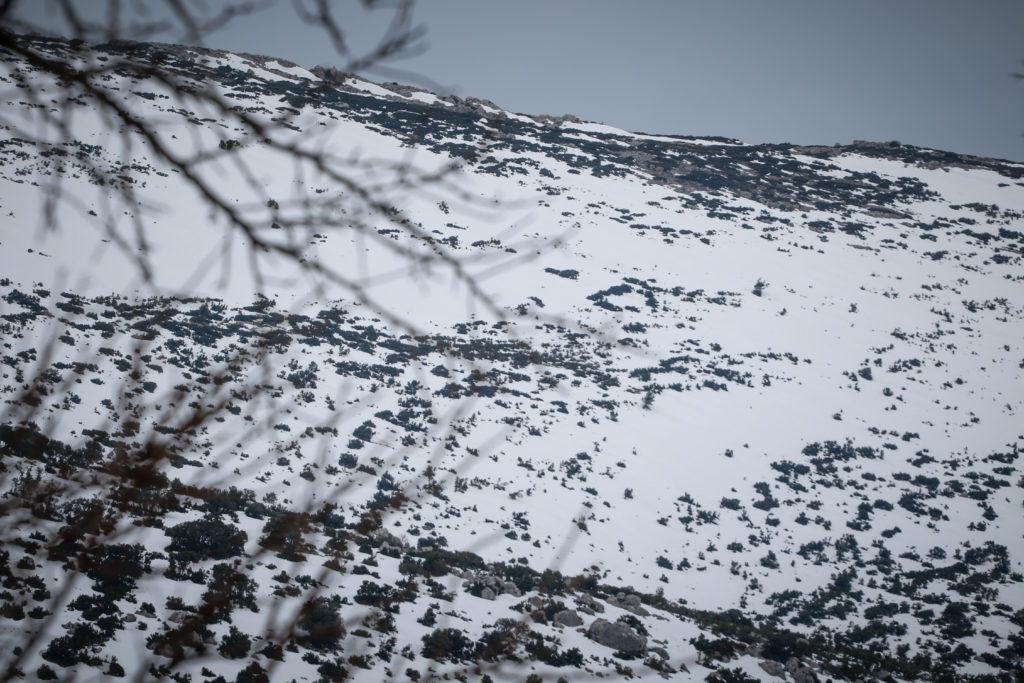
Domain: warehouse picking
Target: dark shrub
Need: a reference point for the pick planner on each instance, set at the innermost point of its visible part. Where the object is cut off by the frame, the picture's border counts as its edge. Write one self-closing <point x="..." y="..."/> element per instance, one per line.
<point x="234" y="644"/>
<point x="283" y="534"/>
<point x="448" y="645"/>
<point x="320" y="624"/>
<point x="114" y="568"/>
<point x="206" y="539"/>
<point x="254" y="673"/>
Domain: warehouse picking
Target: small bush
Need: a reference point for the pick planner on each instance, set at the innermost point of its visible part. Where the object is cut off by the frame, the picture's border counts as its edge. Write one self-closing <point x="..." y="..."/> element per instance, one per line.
<point x="321" y="624"/>
<point x="234" y="644"/>
<point x="448" y="645"/>
<point x="736" y="675"/>
<point x="206" y="539"/>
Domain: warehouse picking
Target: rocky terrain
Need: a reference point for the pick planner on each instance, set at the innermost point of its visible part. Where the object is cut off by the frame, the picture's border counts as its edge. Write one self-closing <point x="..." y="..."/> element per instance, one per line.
<point x="603" y="404"/>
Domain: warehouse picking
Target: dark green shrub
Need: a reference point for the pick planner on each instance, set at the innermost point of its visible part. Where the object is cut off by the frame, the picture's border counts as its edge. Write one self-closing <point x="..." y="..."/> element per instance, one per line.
<point x="736" y="675"/>
<point x="234" y="644"/>
<point x="228" y="590"/>
<point x="114" y="669"/>
<point x="320" y="624"/>
<point x="254" y="673"/>
<point x="114" y="568"/>
<point x="283" y="534"/>
<point x="206" y="539"/>
<point x="75" y="647"/>
<point x="782" y="645"/>
<point x="370" y="593"/>
<point x="448" y="645"/>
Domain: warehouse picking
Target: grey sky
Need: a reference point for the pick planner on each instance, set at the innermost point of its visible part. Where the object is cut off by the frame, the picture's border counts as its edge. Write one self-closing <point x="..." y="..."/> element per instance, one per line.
<point x="935" y="73"/>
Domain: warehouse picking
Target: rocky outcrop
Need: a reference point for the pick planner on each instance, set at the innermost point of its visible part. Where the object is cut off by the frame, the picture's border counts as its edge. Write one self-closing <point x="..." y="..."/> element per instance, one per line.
<point x="488" y="586"/>
<point x="617" y="636"/>
<point x="630" y="603"/>
<point x="568" y="617"/>
<point x="588" y="605"/>
<point x="793" y="666"/>
<point x="799" y="672"/>
<point x="509" y="588"/>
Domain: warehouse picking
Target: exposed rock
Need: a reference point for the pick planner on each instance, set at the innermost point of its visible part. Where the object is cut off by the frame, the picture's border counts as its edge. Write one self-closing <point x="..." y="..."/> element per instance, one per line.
<point x="509" y="588"/>
<point x="384" y="536"/>
<point x="805" y="675"/>
<point x="617" y="636"/>
<point x="631" y="600"/>
<point x="630" y="603"/>
<point x="773" y="668"/>
<point x="660" y="651"/>
<point x="549" y="121"/>
<point x="487" y="594"/>
<point x="755" y="650"/>
<point x="568" y="617"/>
<point x="587" y="602"/>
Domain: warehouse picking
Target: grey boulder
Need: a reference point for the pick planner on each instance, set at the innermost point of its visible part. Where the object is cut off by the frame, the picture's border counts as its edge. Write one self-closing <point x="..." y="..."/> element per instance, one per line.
<point x="617" y="636"/>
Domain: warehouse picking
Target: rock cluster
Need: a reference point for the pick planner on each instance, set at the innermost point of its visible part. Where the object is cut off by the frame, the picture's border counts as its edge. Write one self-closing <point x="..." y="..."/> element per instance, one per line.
<point x="492" y="585"/>
<point x="568" y="617"/>
<point x="628" y="602"/>
<point x="617" y="636"/>
<point x="793" y="667"/>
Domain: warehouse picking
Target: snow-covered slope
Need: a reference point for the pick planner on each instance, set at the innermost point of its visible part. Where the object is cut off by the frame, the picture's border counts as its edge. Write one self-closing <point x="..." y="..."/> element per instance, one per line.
<point x="719" y="405"/>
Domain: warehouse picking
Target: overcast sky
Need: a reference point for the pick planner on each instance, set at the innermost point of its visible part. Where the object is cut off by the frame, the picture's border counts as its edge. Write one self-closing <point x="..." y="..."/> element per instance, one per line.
<point x="935" y="73"/>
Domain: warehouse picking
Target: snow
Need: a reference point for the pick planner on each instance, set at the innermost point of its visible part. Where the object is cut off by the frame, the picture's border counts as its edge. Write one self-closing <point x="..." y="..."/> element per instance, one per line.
<point x="834" y="305"/>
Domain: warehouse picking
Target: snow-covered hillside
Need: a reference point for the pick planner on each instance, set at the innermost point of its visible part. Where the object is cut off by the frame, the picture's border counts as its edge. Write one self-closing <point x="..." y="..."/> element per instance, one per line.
<point x="600" y="403"/>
